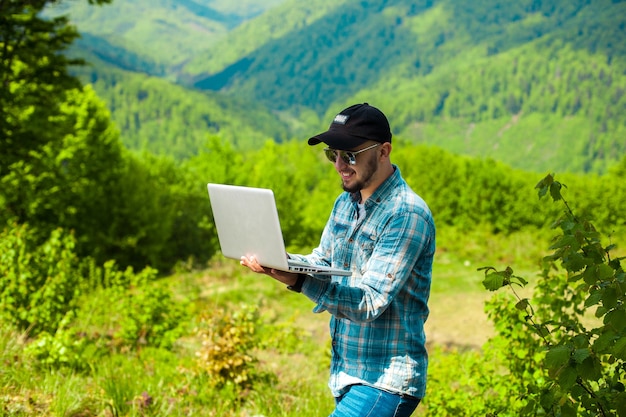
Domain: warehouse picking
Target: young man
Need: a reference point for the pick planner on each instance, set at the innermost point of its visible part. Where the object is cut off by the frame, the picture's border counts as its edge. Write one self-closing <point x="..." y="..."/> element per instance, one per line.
<point x="384" y="233"/>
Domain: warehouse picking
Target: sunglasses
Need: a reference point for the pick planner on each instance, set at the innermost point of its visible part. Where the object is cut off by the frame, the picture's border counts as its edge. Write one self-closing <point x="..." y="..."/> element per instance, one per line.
<point x="346" y="156"/>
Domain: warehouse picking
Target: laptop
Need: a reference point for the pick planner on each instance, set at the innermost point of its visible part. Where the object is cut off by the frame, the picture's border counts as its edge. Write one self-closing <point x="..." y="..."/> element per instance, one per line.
<point x="247" y="224"/>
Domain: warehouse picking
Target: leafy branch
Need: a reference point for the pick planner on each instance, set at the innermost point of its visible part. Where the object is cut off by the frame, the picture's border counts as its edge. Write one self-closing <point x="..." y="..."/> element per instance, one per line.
<point x="582" y="367"/>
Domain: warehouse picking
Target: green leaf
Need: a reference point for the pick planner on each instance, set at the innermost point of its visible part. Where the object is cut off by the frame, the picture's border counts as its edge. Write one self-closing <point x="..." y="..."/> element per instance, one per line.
<point x="616" y="319"/>
<point x="555" y="191"/>
<point x="581" y="341"/>
<point x="567" y="241"/>
<point x="590" y="369"/>
<point x="547" y="398"/>
<point x="604" y="342"/>
<point x="581" y="354"/>
<point x="574" y="262"/>
<point x="519" y="280"/>
<point x="620" y="404"/>
<point x="619" y="350"/>
<point x="569" y="223"/>
<point x="557" y="356"/>
<point x="569" y="410"/>
<point x="600" y="311"/>
<point x="574" y="278"/>
<point x="544" y="184"/>
<point x="604" y="272"/>
<point x="567" y="377"/>
<point x="542" y="330"/>
<point x="594" y="298"/>
<point x="597" y="273"/>
<point x="493" y="281"/>
<point x="522" y="304"/>
<point x="609" y="299"/>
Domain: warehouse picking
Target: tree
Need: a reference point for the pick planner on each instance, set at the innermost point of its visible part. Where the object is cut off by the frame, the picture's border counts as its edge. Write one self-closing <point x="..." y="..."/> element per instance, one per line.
<point x="34" y="80"/>
<point x="61" y="161"/>
<point x="67" y="180"/>
<point x="33" y="75"/>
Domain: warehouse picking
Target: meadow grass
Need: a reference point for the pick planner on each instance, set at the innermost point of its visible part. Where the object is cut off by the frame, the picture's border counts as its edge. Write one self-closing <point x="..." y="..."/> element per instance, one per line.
<point x="290" y="355"/>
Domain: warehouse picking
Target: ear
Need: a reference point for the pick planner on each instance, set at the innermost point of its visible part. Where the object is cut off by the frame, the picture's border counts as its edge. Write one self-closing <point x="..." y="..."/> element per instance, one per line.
<point x="385" y="150"/>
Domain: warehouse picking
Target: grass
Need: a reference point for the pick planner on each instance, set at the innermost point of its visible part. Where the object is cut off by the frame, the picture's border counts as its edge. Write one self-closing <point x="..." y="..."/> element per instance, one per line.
<point x="290" y="343"/>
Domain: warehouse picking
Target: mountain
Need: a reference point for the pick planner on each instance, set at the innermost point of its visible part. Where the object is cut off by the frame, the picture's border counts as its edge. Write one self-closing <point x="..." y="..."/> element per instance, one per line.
<point x="164" y="118"/>
<point x="157" y="35"/>
<point x="537" y="84"/>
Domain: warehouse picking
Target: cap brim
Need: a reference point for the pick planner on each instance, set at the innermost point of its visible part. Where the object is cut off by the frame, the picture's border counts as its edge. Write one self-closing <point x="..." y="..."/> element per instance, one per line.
<point x="337" y="140"/>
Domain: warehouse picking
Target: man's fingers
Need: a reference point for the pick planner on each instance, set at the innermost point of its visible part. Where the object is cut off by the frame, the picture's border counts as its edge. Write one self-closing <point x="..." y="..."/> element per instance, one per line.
<point x="252" y="263"/>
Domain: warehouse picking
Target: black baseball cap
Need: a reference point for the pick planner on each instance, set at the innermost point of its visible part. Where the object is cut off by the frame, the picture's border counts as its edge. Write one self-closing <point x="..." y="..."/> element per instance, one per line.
<point x="354" y="126"/>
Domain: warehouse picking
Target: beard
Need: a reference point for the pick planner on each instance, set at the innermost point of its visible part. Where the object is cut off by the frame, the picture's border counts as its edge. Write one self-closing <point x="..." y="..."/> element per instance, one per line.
<point x="365" y="177"/>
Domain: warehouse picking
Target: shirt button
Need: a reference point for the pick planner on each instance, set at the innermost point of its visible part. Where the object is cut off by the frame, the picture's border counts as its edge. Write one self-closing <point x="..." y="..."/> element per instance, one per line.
<point x="351" y="240"/>
<point x="390" y="276"/>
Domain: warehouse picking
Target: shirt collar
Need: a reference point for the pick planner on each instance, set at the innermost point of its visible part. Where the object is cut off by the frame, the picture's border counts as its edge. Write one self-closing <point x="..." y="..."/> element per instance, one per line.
<point x="386" y="187"/>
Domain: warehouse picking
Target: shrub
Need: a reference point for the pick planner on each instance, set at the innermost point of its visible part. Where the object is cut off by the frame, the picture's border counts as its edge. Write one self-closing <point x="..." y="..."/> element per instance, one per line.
<point x="152" y="317"/>
<point x="561" y="361"/>
<point x="39" y="285"/>
<point x="228" y="343"/>
<point x="67" y="347"/>
<point x="75" y="310"/>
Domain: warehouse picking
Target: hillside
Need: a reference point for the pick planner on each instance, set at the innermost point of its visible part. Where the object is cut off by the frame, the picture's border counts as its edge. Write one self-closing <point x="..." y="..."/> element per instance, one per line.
<point x="537" y="85"/>
<point x="321" y="53"/>
<point x="156" y="36"/>
<point x="164" y="118"/>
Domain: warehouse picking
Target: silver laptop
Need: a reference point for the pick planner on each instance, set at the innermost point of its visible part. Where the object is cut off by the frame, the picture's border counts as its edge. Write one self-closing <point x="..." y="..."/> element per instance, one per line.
<point x="247" y="224"/>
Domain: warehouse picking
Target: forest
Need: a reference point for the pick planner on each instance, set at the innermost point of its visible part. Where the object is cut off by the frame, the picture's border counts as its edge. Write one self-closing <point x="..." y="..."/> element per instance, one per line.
<point x="477" y="79"/>
<point x="115" y="300"/>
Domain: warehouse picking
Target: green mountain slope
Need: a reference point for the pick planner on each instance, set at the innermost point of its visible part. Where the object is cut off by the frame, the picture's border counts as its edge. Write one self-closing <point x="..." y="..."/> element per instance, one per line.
<point x="292" y="20"/>
<point x="164" y="32"/>
<point x="163" y="118"/>
<point x="285" y="58"/>
<point x="553" y="103"/>
<point x="538" y="84"/>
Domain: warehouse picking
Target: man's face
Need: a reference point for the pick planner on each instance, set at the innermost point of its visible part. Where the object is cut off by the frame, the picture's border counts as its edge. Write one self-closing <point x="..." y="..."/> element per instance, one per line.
<point x="359" y="176"/>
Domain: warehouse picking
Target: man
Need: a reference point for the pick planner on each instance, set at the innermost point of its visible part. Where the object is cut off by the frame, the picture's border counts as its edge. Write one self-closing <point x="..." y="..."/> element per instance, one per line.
<point x="384" y="234"/>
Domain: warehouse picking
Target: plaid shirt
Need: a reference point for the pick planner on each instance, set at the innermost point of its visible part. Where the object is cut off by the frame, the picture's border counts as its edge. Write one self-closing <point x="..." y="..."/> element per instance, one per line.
<point x="378" y="313"/>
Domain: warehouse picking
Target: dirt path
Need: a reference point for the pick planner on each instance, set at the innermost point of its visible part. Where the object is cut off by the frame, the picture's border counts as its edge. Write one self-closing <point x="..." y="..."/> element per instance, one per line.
<point x="458" y="319"/>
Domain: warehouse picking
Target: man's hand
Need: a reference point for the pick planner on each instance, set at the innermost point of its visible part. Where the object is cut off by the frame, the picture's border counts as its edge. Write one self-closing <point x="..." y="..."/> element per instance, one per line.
<point x="287" y="278"/>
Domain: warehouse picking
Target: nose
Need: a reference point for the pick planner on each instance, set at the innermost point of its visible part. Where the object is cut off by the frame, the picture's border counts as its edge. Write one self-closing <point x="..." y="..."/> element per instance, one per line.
<point x="340" y="163"/>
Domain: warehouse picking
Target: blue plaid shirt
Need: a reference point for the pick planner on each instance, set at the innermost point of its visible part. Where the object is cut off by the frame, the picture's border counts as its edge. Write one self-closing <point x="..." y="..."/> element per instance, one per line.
<point x="378" y="313"/>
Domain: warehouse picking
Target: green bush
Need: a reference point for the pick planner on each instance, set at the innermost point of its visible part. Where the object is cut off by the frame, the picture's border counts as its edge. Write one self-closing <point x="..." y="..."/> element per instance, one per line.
<point x="68" y="348"/>
<point x="565" y="350"/>
<point x="75" y="311"/>
<point x="152" y="317"/>
<point x="39" y="285"/>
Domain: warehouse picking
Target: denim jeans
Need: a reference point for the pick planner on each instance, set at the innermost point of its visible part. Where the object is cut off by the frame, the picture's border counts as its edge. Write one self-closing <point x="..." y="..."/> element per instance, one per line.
<point x="364" y="401"/>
